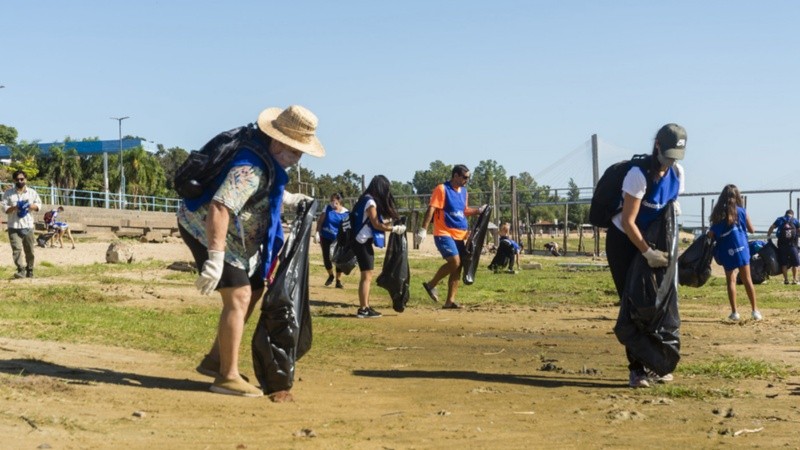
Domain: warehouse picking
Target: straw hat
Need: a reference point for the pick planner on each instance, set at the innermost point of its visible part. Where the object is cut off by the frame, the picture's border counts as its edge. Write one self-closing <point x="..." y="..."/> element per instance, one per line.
<point x="295" y="126"/>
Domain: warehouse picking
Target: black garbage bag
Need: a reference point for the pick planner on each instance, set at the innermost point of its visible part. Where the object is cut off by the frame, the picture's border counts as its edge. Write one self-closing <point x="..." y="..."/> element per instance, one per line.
<point x="504" y="257"/>
<point x="694" y="264"/>
<point x="769" y="253"/>
<point x="758" y="270"/>
<point x="648" y="323"/>
<point x="343" y="258"/>
<point x="283" y="334"/>
<point x="474" y="246"/>
<point x="396" y="275"/>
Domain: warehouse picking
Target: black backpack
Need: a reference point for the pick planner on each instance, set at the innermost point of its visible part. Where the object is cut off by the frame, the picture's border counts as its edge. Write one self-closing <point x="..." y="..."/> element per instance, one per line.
<point x="202" y="168"/>
<point x="607" y="196"/>
<point x="787" y="233"/>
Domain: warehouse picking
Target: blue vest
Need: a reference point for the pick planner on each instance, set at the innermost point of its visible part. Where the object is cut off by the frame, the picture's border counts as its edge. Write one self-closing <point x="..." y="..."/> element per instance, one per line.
<point x="656" y="198"/>
<point x="330" y="226"/>
<point x="273" y="241"/>
<point x="378" y="236"/>
<point x="454" y="204"/>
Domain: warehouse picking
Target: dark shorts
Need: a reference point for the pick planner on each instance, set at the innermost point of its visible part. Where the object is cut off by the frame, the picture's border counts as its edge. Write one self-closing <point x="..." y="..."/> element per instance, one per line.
<point x="787" y="256"/>
<point x="232" y="277"/>
<point x="365" y="255"/>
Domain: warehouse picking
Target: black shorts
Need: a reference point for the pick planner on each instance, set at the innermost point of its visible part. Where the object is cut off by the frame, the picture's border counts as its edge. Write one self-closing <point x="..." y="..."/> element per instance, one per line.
<point x="232" y="277"/>
<point x="787" y="255"/>
<point x="365" y="255"/>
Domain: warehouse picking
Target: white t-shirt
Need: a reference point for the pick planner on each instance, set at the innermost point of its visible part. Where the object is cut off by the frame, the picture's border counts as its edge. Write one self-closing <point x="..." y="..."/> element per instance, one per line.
<point x="365" y="232"/>
<point x="635" y="185"/>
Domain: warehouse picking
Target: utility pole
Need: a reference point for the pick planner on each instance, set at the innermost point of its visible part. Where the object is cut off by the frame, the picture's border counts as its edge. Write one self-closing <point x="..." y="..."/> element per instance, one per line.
<point x="121" y="167"/>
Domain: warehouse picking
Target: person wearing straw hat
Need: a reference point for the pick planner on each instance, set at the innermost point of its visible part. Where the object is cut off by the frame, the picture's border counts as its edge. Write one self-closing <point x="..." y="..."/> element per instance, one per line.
<point x="235" y="241"/>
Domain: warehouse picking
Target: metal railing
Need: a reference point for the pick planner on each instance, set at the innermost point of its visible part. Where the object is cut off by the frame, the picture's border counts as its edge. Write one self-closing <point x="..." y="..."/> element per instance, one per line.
<point x="95" y="199"/>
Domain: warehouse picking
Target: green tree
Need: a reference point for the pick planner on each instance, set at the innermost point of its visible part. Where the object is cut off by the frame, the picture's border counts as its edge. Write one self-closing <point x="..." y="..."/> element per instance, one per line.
<point x="532" y="193"/>
<point x="348" y="184"/>
<point x="425" y="180"/>
<point x="487" y="177"/>
<point x="578" y="214"/>
<point x="144" y="175"/>
<point x="304" y="184"/>
<point x="23" y="157"/>
<point x="8" y="135"/>
<point x="170" y="159"/>
<point x="61" y="169"/>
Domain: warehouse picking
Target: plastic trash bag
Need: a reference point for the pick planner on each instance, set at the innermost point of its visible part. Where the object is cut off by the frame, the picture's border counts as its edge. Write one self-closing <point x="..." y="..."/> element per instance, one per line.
<point x="343" y="258"/>
<point x="474" y="246"/>
<point x="649" y="323"/>
<point x="283" y="334"/>
<point x="769" y="253"/>
<point x="694" y="265"/>
<point x="396" y="275"/>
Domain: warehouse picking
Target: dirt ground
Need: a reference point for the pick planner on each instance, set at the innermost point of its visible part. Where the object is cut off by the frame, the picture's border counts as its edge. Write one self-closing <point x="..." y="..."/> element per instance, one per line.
<point x="483" y="377"/>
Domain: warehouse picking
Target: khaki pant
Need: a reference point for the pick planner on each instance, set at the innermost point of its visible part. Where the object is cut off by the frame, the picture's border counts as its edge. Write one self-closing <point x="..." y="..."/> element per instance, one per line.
<point x="22" y="239"/>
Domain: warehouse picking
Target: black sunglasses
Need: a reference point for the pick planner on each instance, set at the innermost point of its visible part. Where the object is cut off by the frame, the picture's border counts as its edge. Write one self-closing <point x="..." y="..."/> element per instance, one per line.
<point x="20" y="179"/>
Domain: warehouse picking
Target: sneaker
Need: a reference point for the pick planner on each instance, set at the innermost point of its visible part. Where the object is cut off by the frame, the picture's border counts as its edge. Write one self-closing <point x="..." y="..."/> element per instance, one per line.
<point x="19" y="274"/>
<point x="785" y="281"/>
<point x="329" y="280"/>
<point x="734" y="316"/>
<point x="638" y="379"/>
<point x="235" y="387"/>
<point x="339" y="285"/>
<point x="756" y="315"/>
<point x="656" y="378"/>
<point x="367" y="313"/>
<point x="511" y="271"/>
<point x="432" y="292"/>
<point x="29" y="273"/>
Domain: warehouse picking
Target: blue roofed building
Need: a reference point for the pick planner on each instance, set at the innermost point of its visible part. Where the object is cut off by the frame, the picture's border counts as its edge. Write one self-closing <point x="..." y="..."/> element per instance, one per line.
<point x="87" y="148"/>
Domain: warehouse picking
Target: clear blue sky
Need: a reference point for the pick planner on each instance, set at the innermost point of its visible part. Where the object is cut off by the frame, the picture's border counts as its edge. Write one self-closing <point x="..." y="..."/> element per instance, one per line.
<point x="397" y="85"/>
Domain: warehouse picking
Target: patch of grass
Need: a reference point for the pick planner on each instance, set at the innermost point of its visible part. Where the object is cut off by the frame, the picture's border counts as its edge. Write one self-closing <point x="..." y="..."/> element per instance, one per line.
<point x="735" y="368"/>
<point x="678" y="391"/>
<point x="75" y="314"/>
<point x="333" y="336"/>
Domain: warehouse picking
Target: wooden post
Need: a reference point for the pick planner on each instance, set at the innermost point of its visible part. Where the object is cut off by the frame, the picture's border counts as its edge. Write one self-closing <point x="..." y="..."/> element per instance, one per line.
<point x="514" y="213"/>
<point x="531" y="234"/>
<point x="595" y="178"/>
<point x="580" y="238"/>
<point x="413" y="226"/>
<point x="703" y="214"/>
<point x="566" y="226"/>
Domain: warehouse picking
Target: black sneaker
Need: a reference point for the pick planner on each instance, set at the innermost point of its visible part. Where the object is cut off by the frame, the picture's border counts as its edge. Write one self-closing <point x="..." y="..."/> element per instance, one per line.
<point x="367" y="313"/>
<point x="329" y="280"/>
<point x="339" y="285"/>
<point x="29" y="273"/>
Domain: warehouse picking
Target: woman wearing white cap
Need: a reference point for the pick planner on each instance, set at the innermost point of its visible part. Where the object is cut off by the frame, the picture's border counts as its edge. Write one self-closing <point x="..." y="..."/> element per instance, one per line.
<point x="236" y="235"/>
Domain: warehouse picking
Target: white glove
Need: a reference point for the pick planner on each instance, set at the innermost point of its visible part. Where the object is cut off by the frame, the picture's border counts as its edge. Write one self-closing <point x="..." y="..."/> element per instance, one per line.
<point x="316" y="237"/>
<point x="211" y="273"/>
<point x="422" y="233"/>
<point x="399" y="229"/>
<point x="292" y="200"/>
<point x="677" y="207"/>
<point x="656" y="258"/>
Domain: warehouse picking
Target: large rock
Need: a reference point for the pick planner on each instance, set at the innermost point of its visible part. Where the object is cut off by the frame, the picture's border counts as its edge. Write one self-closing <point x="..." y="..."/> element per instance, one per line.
<point x="119" y="252"/>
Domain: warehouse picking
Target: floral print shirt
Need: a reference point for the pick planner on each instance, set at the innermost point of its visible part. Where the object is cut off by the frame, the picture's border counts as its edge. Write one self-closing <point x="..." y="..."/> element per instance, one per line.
<point x="247" y="226"/>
